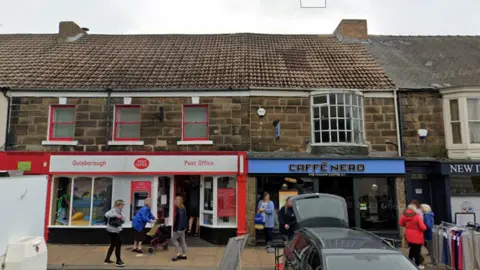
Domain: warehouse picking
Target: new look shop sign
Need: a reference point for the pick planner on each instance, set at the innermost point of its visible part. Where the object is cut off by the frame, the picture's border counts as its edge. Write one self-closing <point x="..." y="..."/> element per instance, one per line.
<point x="461" y="169"/>
<point x="114" y="164"/>
<point x="325" y="167"/>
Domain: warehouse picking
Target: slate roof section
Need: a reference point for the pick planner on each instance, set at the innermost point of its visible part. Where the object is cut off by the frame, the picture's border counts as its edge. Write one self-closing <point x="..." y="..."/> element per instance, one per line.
<point x="186" y="62"/>
<point x="428" y="61"/>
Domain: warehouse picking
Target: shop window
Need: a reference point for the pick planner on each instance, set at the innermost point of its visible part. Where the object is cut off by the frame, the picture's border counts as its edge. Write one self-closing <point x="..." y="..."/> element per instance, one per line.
<point x="163" y="200"/>
<point x="465" y="185"/>
<point x="337" y="118"/>
<point x="377" y="203"/>
<point x="280" y="188"/>
<point x="207" y="207"/>
<point x="62" y="123"/>
<point x="455" y="122"/>
<point x="82" y="201"/>
<point x="61" y="198"/>
<point x="473" y="109"/>
<point x="226" y="201"/>
<point x="127" y="123"/>
<point x="195" y="123"/>
<point x="102" y="199"/>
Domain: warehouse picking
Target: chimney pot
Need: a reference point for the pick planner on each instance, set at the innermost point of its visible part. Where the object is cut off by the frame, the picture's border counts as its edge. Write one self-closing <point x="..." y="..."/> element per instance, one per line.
<point x="85" y="29"/>
<point x="352" y="30"/>
<point x="69" y="29"/>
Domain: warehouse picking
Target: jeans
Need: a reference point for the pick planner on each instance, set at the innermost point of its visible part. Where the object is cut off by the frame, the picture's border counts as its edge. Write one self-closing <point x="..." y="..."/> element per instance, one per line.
<point x="268" y="234"/>
<point x="178" y="241"/>
<point x="415" y="253"/>
<point x="115" y="243"/>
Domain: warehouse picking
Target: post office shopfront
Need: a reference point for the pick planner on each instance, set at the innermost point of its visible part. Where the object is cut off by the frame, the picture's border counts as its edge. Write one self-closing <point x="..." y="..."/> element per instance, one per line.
<point x="463" y="178"/>
<point x="84" y="186"/>
<point x="368" y="185"/>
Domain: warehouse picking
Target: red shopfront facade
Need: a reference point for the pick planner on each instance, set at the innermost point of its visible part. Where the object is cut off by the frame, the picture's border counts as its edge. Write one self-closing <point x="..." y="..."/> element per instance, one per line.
<point x="82" y="186"/>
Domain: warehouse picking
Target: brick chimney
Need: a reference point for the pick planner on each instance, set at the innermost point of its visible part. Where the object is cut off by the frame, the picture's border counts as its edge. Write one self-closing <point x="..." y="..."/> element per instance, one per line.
<point x="70" y="31"/>
<point x="352" y="31"/>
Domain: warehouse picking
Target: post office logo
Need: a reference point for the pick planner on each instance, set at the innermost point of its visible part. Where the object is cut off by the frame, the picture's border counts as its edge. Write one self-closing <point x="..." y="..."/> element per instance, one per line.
<point x="141" y="163"/>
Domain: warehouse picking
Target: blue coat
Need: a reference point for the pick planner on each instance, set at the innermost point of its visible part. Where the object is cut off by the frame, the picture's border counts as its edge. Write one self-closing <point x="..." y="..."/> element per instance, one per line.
<point x="428" y="220"/>
<point x="269" y="213"/>
<point x="143" y="216"/>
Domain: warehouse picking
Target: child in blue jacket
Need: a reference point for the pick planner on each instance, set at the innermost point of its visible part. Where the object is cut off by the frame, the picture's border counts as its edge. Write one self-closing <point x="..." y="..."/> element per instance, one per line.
<point x="428" y="219"/>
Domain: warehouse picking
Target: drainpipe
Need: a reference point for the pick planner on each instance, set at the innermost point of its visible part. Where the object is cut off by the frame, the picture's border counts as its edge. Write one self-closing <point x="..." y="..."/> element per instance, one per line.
<point x="9" y="111"/>
<point x="398" y="124"/>
<point x="109" y="118"/>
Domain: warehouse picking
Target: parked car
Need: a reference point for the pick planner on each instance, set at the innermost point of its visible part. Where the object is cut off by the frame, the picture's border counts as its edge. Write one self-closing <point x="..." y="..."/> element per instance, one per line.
<point x="324" y="241"/>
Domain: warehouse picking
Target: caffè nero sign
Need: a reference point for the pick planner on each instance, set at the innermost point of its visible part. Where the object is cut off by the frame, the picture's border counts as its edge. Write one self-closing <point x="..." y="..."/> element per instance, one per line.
<point x="325" y="168"/>
<point x="461" y="168"/>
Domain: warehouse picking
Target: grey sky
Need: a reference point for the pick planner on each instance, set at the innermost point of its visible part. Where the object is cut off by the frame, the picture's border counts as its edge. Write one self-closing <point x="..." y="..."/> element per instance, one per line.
<point x="405" y="17"/>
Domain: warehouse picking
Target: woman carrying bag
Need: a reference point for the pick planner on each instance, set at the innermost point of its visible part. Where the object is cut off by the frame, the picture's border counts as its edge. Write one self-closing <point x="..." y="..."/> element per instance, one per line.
<point x="114" y="221"/>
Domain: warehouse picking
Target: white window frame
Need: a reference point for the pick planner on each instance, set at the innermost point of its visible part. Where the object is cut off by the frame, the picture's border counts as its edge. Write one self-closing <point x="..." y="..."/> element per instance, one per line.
<point x="464" y="149"/>
<point x="469" y="120"/>
<point x="361" y="119"/>
<point x="116" y="141"/>
<point x="215" y="202"/>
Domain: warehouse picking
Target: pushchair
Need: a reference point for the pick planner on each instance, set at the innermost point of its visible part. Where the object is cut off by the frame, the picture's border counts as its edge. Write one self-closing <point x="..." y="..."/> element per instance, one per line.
<point x="158" y="236"/>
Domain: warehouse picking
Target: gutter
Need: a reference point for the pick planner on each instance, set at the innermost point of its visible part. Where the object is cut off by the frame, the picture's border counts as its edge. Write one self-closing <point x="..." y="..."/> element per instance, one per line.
<point x="65" y="90"/>
<point x="9" y="112"/>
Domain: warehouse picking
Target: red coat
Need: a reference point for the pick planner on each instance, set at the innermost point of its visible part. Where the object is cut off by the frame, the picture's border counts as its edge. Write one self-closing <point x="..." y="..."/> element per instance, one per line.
<point x="414" y="227"/>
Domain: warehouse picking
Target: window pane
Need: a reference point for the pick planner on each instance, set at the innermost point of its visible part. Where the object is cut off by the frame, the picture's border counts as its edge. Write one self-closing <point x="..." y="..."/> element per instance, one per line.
<point x="348" y="99"/>
<point x="226" y="201"/>
<point x="349" y="136"/>
<point x="341" y="111"/>
<point x="128" y="114"/>
<point x="82" y="199"/>
<point x="342" y="137"/>
<point x="195" y="131"/>
<point x="195" y="114"/>
<point x="324" y="111"/>
<point x="316" y="125"/>
<point x="317" y="137"/>
<point x="333" y="99"/>
<point x="333" y="111"/>
<point x="474" y="132"/>
<point x="102" y="199"/>
<point x="320" y="99"/>
<point x="62" y="187"/>
<point x="355" y="112"/>
<point x="378" y="194"/>
<point x="354" y="100"/>
<point x="64" y="114"/>
<point x="325" y="137"/>
<point x="341" y="124"/>
<point x="333" y="124"/>
<point x="463" y="185"/>
<point x="316" y="112"/>
<point x="473" y="106"/>
<point x="127" y="131"/>
<point x="163" y="206"/>
<point x="63" y="130"/>
<point x="325" y="125"/>
<point x="456" y="133"/>
<point x="340" y="100"/>
<point x="208" y="194"/>
<point x="454" y="110"/>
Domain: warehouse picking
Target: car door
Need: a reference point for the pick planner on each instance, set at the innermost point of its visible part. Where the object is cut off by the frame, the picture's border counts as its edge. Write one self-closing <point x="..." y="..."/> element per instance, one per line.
<point x="296" y="253"/>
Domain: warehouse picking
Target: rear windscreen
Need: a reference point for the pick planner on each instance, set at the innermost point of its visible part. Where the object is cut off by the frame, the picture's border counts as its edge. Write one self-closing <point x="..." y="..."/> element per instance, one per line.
<point x="321" y="207"/>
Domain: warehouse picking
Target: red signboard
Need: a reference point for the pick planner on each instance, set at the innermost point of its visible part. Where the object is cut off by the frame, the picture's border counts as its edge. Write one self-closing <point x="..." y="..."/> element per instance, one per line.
<point x="226" y="202"/>
<point x="141" y="186"/>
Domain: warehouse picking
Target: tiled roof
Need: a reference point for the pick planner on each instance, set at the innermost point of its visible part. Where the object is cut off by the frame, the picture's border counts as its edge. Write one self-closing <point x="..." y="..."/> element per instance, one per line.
<point x="133" y="62"/>
<point x="428" y="61"/>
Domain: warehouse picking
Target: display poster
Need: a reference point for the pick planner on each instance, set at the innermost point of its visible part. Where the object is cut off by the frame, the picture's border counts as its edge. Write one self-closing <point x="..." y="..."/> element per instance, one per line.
<point x="465" y="204"/>
<point x="226" y="202"/>
<point x="283" y="195"/>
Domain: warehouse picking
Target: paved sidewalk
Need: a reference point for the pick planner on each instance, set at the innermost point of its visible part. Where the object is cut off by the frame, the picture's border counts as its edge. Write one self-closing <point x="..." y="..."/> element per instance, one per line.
<point x="91" y="257"/>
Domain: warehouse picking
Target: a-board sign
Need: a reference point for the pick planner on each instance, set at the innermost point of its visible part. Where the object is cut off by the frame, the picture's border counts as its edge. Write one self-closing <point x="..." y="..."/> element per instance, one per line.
<point x="233" y="252"/>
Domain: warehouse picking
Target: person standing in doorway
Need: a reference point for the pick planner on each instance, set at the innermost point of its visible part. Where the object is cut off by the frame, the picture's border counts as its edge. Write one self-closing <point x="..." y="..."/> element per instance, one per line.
<point x="179" y="228"/>
<point x="414" y="228"/>
<point x="114" y="220"/>
<point x="143" y="216"/>
<point x="266" y="208"/>
<point x="194" y="209"/>
<point x="286" y="218"/>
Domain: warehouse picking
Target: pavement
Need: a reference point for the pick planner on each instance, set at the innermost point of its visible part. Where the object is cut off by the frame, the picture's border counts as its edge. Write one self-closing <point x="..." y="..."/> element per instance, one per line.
<point x="90" y="257"/>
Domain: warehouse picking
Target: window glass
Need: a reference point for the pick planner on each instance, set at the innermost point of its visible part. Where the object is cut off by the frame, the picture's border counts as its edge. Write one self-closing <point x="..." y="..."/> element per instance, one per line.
<point x="369" y="261"/>
<point x="455" y="122"/>
<point x="102" y="199"/>
<point x="128" y="131"/>
<point x="127" y="123"/>
<point x="82" y="199"/>
<point x="226" y="201"/>
<point x="63" y="130"/>
<point x="63" y="114"/>
<point x="163" y="201"/>
<point x="195" y="114"/>
<point x="465" y="185"/>
<point x="128" y="114"/>
<point x="61" y="198"/>
<point x="339" y="119"/>
<point x="473" y="107"/>
<point x="195" y="130"/>
<point x="208" y="194"/>
<point x="377" y="203"/>
<point x="63" y="122"/>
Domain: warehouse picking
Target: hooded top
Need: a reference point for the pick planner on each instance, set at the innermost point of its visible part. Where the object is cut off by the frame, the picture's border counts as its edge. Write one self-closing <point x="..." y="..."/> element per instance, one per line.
<point x="414" y="227"/>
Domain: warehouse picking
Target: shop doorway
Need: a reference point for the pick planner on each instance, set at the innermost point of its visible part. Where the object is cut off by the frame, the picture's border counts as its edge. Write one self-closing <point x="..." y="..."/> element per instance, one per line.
<point x="343" y="187"/>
<point x="188" y="187"/>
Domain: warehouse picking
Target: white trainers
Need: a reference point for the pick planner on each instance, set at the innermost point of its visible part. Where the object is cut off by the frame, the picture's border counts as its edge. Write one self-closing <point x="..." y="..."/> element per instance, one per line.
<point x="421" y="267"/>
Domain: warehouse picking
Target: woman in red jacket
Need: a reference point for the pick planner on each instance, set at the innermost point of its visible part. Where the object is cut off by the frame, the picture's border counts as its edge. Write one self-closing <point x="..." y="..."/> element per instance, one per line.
<point x="414" y="228"/>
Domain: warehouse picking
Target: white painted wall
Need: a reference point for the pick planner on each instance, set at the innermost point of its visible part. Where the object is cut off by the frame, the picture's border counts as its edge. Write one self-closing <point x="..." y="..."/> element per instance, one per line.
<point x="3" y="119"/>
<point x="22" y="207"/>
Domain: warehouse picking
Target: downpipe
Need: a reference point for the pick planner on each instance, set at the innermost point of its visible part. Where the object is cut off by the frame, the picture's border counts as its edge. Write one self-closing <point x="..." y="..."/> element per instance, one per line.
<point x="398" y="124"/>
<point x="9" y="112"/>
<point x="108" y="132"/>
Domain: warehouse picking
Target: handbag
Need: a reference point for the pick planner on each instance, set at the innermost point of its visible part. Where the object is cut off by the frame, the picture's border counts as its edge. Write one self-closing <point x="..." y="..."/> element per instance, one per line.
<point x="259" y="222"/>
<point x="115" y="222"/>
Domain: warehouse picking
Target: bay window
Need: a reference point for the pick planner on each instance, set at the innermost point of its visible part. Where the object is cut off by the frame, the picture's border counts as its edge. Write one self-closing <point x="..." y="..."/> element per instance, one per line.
<point x="473" y="109"/>
<point x="337" y="118"/>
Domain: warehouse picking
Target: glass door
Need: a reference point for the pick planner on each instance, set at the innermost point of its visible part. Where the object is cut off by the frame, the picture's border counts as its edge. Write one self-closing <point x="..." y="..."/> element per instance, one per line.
<point x="207" y="201"/>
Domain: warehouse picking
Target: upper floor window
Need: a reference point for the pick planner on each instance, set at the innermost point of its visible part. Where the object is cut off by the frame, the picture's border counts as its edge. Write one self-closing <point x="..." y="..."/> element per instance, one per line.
<point x="473" y="109"/>
<point x="455" y="122"/>
<point x="126" y="123"/>
<point x="195" y="123"/>
<point x="62" y="123"/>
<point x="337" y="118"/>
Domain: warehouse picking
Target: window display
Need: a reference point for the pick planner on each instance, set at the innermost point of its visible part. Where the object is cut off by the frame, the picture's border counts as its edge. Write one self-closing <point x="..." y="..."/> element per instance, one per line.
<point x="377" y="201"/>
<point x="102" y="199"/>
<point x="226" y="201"/>
<point x="82" y="201"/>
<point x="61" y="195"/>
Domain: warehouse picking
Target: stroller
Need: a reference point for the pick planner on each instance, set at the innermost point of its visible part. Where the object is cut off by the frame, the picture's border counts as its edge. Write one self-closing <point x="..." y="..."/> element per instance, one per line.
<point x="158" y="236"/>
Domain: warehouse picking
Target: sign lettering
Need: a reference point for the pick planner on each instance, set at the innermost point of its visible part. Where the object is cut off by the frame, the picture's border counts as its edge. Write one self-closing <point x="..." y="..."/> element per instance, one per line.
<point x="326" y="168"/>
<point x="464" y="168"/>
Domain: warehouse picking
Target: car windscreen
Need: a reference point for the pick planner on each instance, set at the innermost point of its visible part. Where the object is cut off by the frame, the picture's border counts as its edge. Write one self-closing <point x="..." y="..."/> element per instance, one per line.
<point x="368" y="262"/>
<point x="321" y="207"/>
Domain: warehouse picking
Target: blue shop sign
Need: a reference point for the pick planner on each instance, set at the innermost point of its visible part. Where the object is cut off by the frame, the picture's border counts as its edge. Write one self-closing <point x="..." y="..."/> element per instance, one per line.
<point x="330" y="167"/>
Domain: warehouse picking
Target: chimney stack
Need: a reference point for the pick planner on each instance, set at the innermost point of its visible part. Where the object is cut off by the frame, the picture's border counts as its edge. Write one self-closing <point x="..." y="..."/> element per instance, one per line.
<point x="70" y="31"/>
<point x="352" y="31"/>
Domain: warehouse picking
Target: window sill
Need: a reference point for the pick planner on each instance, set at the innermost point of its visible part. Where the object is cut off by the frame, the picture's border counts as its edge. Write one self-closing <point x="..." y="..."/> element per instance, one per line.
<point x="73" y="143"/>
<point x="194" y="142"/>
<point x="339" y="144"/>
<point x="125" y="142"/>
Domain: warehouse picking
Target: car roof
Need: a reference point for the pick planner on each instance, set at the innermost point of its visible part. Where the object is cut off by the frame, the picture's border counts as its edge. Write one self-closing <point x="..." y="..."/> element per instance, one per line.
<point x="345" y="240"/>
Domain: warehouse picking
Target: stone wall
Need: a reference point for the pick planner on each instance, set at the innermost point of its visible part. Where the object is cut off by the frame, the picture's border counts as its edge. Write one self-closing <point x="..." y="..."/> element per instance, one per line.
<point x="423" y="110"/>
<point x="380" y="125"/>
<point x="401" y="203"/>
<point x="251" y="208"/>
